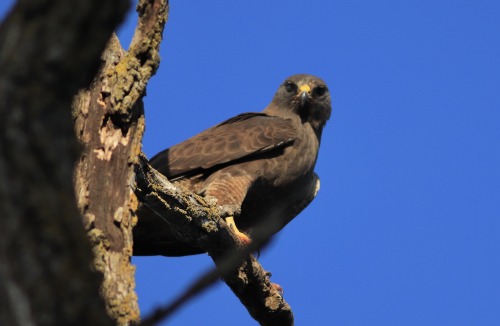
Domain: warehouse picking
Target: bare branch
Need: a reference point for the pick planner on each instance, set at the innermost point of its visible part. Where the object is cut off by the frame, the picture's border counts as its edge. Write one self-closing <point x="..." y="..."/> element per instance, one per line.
<point x="141" y="61"/>
<point x="200" y="223"/>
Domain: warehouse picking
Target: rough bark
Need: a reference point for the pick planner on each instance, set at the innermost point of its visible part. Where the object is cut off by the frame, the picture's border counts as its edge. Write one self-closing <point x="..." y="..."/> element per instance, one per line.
<point x="109" y="122"/>
<point x="48" y="50"/>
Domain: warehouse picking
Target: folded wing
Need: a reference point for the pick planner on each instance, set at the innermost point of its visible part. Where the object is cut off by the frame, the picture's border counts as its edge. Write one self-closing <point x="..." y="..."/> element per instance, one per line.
<point x="244" y="137"/>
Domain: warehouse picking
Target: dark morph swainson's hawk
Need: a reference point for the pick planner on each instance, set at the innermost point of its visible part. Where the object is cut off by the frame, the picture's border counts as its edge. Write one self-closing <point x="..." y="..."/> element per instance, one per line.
<point x="258" y="166"/>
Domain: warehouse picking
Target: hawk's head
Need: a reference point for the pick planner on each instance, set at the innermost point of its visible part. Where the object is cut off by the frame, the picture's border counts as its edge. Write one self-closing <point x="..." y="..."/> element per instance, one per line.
<point x="306" y="96"/>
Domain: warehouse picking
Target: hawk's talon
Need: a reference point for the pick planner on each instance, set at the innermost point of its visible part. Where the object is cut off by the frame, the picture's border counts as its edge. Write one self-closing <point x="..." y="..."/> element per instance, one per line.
<point x="245" y="239"/>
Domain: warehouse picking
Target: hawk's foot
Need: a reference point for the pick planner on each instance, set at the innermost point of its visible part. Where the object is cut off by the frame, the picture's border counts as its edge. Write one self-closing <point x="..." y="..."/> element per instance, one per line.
<point x="245" y="239"/>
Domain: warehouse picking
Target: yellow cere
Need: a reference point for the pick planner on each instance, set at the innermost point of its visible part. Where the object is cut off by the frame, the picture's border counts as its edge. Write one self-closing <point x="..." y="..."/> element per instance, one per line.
<point x="305" y="88"/>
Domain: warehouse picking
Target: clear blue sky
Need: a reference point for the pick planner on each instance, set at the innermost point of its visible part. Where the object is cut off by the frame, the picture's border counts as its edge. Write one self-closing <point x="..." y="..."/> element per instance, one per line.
<point x="406" y="227"/>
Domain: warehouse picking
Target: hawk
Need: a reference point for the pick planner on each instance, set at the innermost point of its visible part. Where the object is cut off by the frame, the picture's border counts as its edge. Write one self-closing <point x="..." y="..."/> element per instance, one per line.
<point x="259" y="167"/>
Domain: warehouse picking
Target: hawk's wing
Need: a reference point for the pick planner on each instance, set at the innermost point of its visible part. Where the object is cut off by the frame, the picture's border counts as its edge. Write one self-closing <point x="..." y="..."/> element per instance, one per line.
<point x="245" y="136"/>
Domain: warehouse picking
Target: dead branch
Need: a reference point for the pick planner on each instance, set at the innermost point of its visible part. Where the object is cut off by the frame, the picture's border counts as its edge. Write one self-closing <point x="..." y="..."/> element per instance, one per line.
<point x="200" y="223"/>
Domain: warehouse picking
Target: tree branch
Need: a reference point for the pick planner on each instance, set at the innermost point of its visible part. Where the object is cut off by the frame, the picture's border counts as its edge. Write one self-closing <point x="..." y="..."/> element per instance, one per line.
<point x="199" y="222"/>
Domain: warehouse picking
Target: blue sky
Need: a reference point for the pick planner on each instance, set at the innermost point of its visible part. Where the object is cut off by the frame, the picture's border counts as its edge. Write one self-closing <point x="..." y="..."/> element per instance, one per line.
<point x="406" y="227"/>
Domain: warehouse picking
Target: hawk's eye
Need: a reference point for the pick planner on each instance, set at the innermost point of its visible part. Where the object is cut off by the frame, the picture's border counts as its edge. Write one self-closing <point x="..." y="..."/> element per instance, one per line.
<point x="319" y="90"/>
<point x="290" y="87"/>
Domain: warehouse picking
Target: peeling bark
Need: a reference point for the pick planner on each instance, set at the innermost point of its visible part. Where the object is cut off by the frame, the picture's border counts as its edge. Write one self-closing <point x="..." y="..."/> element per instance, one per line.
<point x="102" y="182"/>
<point x="109" y="123"/>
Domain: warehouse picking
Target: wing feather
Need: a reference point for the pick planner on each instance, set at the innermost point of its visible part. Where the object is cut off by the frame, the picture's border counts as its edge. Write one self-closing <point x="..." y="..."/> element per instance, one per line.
<point x="246" y="136"/>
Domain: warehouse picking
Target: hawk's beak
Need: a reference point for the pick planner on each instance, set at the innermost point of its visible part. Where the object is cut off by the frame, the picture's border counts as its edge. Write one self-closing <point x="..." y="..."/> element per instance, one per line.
<point x="305" y="94"/>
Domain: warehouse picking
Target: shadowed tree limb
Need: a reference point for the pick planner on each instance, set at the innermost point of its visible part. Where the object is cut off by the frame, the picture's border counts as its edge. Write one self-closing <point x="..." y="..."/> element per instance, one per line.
<point x="48" y="50"/>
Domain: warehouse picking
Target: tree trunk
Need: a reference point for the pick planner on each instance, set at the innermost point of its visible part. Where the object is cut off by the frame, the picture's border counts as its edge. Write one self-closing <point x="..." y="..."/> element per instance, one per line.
<point x="103" y="177"/>
<point x="109" y="123"/>
<point x="48" y="50"/>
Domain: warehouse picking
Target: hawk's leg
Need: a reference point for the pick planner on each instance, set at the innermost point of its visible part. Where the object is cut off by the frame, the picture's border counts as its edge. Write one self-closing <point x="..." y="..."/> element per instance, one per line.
<point x="229" y="187"/>
<point x="242" y="236"/>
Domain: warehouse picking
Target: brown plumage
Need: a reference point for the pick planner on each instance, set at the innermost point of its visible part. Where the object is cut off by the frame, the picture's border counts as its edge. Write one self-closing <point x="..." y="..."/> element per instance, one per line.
<point x="258" y="166"/>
